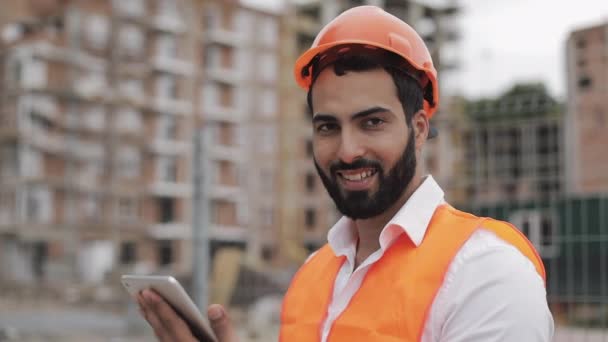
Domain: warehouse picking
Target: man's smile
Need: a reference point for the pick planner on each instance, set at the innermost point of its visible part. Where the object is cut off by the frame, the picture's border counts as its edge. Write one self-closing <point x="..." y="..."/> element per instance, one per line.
<point x="358" y="179"/>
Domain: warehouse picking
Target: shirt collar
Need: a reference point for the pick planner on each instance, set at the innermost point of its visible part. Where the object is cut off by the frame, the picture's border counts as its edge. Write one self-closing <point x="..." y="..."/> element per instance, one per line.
<point x="413" y="219"/>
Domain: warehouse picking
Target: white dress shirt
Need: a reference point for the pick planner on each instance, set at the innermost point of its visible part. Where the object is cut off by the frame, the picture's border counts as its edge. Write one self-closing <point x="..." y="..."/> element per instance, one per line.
<point x="491" y="292"/>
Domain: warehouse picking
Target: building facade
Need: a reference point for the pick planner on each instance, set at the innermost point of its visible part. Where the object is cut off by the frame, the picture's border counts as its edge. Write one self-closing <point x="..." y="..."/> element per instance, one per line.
<point x="513" y="147"/>
<point x="100" y="102"/>
<point x="240" y="97"/>
<point x="98" y="97"/>
<point x="587" y="112"/>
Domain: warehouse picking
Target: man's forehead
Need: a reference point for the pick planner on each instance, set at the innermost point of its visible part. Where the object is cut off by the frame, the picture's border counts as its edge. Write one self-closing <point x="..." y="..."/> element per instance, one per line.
<point x="328" y="75"/>
<point x="354" y="91"/>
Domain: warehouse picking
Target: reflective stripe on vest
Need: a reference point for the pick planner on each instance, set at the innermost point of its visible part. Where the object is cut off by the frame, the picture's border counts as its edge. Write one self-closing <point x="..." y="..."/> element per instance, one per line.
<point x="395" y="296"/>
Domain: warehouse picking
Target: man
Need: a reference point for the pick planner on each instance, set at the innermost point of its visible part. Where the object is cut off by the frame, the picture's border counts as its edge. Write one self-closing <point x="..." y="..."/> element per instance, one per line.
<point x="401" y="265"/>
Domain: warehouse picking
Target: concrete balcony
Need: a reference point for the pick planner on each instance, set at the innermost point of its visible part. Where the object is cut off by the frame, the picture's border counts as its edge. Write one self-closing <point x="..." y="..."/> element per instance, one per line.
<point x="160" y="188"/>
<point x="224" y="37"/>
<point x="125" y="186"/>
<point x="91" y="90"/>
<point x="170" y="231"/>
<point x="141" y="267"/>
<point x="43" y="231"/>
<point x="268" y="200"/>
<point x="47" y="141"/>
<point x="229" y="76"/>
<point x="44" y="49"/>
<point x="86" y="150"/>
<point x="228" y="233"/>
<point x="171" y="147"/>
<point x="223" y="113"/>
<point x="138" y="67"/>
<point x="173" y="65"/>
<point x="223" y="152"/>
<point x="169" y="105"/>
<point x="129" y="9"/>
<point x="168" y="23"/>
<point x="86" y="182"/>
<point x="131" y="98"/>
<point x="225" y="192"/>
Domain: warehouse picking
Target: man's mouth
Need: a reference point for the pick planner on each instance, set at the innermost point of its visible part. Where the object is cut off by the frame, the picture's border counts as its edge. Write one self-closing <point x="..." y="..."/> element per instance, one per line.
<point x="357" y="175"/>
<point x="358" y="179"/>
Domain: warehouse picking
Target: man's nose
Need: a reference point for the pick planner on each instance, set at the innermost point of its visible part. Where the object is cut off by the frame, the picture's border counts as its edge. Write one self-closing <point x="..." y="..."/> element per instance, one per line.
<point x="351" y="148"/>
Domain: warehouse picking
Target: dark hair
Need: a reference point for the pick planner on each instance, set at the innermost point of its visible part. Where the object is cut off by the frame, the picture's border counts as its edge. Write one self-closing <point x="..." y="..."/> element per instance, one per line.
<point x="409" y="90"/>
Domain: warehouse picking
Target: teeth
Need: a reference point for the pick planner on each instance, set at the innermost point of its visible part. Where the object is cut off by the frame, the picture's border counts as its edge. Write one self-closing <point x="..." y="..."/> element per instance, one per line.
<point x="352" y="177"/>
<point x="359" y="176"/>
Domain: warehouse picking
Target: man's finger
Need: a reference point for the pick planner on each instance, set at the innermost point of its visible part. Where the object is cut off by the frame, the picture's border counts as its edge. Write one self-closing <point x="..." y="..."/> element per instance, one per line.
<point x="140" y="304"/>
<point x="150" y="315"/>
<point x="173" y="325"/>
<point x="220" y="323"/>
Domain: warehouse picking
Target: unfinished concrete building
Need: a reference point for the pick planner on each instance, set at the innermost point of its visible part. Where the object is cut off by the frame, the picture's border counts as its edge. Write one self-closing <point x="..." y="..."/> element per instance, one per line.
<point x="100" y="100"/>
<point x="587" y="113"/>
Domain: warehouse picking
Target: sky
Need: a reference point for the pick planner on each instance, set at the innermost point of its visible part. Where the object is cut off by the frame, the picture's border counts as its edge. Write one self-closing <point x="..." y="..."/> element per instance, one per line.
<point x="509" y="41"/>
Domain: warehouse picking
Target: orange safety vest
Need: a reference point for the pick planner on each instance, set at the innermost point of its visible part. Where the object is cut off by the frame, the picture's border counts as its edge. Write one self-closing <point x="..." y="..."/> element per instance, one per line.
<point x="396" y="294"/>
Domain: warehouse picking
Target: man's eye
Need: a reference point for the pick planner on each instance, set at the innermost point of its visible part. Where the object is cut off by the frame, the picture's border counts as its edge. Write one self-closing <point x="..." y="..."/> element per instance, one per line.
<point x="373" y="122"/>
<point x="328" y="127"/>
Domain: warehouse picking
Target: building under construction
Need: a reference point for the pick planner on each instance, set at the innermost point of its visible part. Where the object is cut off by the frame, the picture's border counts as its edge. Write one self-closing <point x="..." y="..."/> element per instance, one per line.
<point x="541" y="166"/>
<point x="100" y="100"/>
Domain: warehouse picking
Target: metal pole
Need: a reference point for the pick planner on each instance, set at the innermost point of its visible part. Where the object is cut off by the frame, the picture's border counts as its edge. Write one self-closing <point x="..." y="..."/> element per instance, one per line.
<point x="200" y="220"/>
<point x="72" y="235"/>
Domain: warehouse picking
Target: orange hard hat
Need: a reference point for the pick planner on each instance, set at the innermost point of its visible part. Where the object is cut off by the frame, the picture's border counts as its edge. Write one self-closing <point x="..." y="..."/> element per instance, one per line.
<point x="370" y="29"/>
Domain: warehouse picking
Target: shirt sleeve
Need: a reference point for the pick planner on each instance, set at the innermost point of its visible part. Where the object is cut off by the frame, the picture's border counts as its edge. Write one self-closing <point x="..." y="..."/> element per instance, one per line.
<point x="492" y="293"/>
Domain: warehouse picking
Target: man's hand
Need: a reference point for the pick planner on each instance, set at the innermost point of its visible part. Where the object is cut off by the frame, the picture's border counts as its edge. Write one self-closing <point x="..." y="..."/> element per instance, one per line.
<point x="170" y="327"/>
<point x="220" y="323"/>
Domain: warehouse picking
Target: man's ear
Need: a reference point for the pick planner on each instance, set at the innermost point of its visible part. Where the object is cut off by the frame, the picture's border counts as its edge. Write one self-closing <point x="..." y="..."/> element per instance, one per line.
<point x="420" y="123"/>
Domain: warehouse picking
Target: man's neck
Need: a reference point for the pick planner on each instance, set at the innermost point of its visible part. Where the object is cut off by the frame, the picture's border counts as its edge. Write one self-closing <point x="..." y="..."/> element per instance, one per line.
<point x="369" y="229"/>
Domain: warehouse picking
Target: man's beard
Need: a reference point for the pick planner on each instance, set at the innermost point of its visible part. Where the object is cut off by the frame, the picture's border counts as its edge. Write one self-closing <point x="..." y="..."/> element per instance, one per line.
<point x="363" y="204"/>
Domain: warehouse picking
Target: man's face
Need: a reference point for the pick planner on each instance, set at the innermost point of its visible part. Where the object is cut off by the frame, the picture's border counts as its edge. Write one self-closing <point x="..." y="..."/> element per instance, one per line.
<point x="362" y="149"/>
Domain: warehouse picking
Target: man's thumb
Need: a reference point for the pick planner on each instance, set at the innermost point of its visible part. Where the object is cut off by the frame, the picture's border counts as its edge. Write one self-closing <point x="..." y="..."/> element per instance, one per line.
<point x="220" y="323"/>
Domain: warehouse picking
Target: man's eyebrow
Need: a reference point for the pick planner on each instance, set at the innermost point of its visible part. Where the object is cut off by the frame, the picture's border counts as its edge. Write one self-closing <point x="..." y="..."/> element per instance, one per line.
<point x="369" y="111"/>
<point x="322" y="117"/>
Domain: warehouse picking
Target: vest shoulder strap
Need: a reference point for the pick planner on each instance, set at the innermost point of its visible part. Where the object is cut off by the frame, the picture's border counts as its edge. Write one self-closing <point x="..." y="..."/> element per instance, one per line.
<point x="515" y="237"/>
